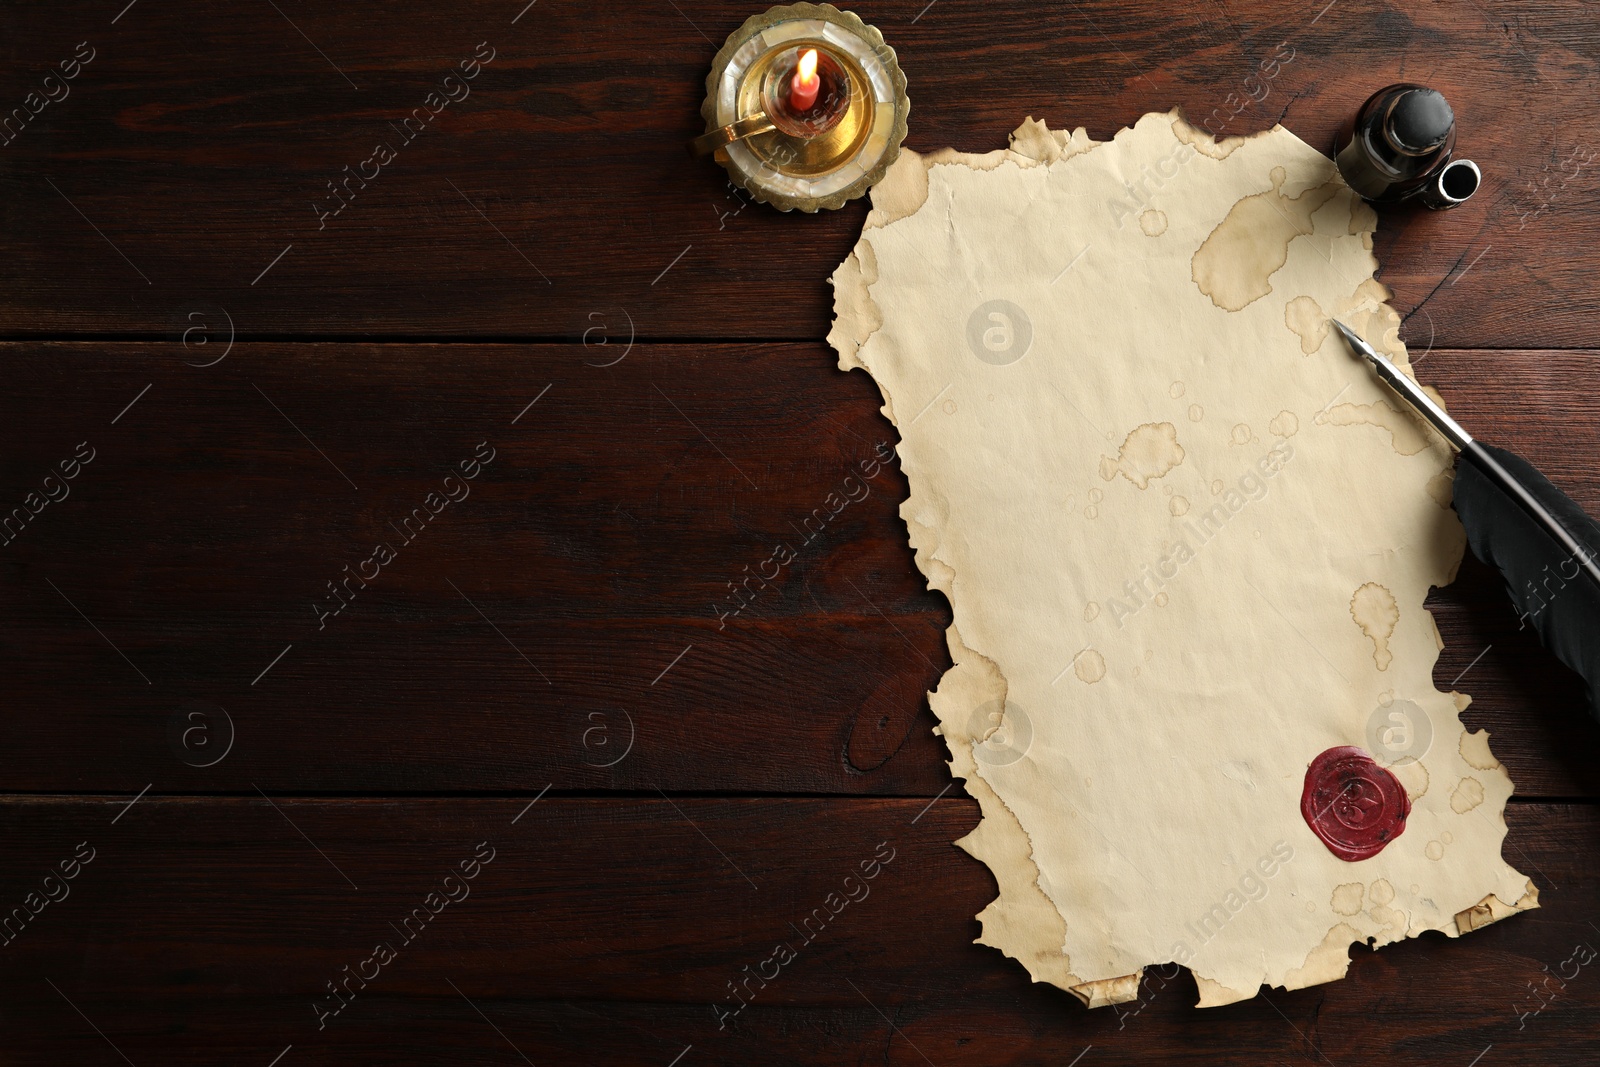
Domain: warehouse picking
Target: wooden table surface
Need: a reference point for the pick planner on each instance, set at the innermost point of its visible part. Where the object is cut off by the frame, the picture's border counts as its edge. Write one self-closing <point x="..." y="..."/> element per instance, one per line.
<point x="577" y="384"/>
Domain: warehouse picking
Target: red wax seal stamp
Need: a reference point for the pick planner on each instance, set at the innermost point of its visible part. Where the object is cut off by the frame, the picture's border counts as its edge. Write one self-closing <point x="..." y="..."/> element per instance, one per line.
<point x="1353" y="805"/>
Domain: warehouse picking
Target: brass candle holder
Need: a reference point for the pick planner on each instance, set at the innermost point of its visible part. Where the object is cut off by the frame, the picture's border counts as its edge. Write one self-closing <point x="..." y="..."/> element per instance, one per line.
<point x="827" y="154"/>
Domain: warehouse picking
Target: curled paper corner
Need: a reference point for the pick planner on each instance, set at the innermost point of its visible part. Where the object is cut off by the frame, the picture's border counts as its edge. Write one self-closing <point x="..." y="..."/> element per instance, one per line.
<point x="1109" y="991"/>
<point x="1491" y="909"/>
<point x="1214" y="994"/>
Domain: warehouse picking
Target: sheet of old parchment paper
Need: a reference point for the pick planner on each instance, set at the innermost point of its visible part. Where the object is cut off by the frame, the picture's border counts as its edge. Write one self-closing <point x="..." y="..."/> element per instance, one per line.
<point x="1186" y="538"/>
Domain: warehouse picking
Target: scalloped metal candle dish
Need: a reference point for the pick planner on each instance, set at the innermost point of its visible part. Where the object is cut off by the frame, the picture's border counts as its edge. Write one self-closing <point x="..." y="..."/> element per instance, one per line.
<point x="829" y="169"/>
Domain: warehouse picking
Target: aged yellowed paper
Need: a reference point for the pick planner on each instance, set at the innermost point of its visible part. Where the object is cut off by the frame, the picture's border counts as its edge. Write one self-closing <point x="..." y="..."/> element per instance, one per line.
<point x="1186" y="539"/>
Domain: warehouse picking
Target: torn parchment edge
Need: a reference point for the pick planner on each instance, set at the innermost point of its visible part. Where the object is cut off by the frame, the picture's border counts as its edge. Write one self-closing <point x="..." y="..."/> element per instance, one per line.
<point x="1022" y="916"/>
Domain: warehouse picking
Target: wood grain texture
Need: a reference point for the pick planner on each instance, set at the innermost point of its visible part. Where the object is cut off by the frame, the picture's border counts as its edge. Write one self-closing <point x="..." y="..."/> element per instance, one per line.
<point x="195" y="148"/>
<point x="204" y="931"/>
<point x="515" y="637"/>
<point x="250" y="382"/>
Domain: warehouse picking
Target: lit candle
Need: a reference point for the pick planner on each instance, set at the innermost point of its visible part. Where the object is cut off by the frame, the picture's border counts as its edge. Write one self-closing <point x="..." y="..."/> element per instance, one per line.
<point x="803" y="87"/>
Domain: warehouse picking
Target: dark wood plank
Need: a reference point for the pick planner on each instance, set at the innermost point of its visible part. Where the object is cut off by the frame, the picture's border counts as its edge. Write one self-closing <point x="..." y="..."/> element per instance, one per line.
<point x="512" y="640"/>
<point x="606" y="930"/>
<point x="195" y="147"/>
<point x="597" y="546"/>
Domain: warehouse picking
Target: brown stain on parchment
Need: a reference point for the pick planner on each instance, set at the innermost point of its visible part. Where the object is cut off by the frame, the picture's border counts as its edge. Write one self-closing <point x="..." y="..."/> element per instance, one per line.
<point x="1474" y="748"/>
<point x="1468" y="795"/>
<point x="1033" y="139"/>
<point x="1148" y="452"/>
<point x="1347" y="898"/>
<point x="1381" y="894"/>
<point x="1363" y="219"/>
<point x="1330" y="960"/>
<point x="1152" y="222"/>
<point x="1284" y="424"/>
<point x="1406" y="434"/>
<point x="1442" y="487"/>
<point x="1089" y="666"/>
<point x="1235" y="264"/>
<point x="1305" y="319"/>
<point x="1366" y="311"/>
<point x="1374" y="610"/>
<point x="1203" y="142"/>
<point x="1413" y="776"/>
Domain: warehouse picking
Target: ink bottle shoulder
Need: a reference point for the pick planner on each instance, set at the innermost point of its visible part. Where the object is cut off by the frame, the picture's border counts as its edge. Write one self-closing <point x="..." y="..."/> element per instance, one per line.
<point x="1399" y="140"/>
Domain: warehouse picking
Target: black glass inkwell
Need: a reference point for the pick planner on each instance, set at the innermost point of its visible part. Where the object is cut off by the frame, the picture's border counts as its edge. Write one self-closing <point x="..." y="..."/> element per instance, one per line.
<point x="1399" y="145"/>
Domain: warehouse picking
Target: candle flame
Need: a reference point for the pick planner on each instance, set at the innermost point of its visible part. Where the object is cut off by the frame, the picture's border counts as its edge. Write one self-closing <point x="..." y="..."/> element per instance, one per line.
<point x="808" y="66"/>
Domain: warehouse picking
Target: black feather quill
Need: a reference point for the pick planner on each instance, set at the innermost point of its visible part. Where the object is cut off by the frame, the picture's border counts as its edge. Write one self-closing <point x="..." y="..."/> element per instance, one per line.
<point x="1553" y="585"/>
<point x="1545" y="547"/>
